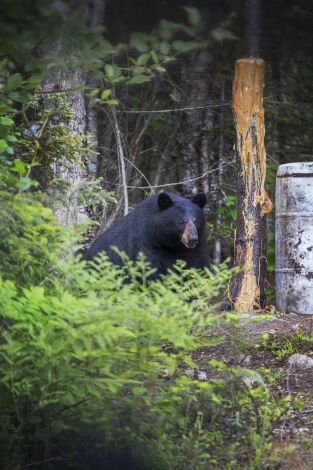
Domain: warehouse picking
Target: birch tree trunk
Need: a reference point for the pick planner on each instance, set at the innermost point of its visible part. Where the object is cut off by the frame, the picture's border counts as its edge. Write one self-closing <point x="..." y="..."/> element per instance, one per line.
<point x="72" y="213"/>
<point x="71" y="82"/>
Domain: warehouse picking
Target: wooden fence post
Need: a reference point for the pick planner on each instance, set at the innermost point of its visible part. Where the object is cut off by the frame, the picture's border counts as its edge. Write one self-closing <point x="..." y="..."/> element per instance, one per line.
<point x="247" y="288"/>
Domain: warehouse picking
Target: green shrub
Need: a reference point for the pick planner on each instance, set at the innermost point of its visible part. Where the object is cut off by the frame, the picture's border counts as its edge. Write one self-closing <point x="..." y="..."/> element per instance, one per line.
<point x="30" y="242"/>
<point x="92" y="369"/>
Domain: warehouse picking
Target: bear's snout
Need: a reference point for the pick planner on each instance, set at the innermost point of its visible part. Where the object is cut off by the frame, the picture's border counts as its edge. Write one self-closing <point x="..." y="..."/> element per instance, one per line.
<point x="190" y="235"/>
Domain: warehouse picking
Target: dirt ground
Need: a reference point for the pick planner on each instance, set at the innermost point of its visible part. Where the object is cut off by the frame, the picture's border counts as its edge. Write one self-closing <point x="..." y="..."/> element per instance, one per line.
<point x="262" y="342"/>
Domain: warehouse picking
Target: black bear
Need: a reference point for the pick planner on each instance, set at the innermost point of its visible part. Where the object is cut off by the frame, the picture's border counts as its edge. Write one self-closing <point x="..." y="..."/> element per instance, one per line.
<point x="165" y="228"/>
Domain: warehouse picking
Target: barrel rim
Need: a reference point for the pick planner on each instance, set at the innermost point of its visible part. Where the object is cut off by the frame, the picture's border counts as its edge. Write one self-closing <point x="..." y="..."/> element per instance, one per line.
<point x="295" y="169"/>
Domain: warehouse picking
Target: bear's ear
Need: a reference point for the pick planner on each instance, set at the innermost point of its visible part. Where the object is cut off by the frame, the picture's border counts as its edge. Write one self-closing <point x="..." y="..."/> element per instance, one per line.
<point x="200" y="200"/>
<point x="164" y="201"/>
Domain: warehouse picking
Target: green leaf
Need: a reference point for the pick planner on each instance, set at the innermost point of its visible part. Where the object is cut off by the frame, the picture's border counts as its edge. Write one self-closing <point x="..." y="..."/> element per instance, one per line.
<point x="14" y="81"/>
<point x="11" y="138"/>
<point x="143" y="59"/>
<point x="137" y="70"/>
<point x="154" y="57"/>
<point x="167" y="29"/>
<point x="233" y="214"/>
<point x="113" y="102"/>
<point x="105" y="94"/>
<point x="164" y="47"/>
<point x="109" y="70"/>
<point x="93" y="92"/>
<point x="16" y="96"/>
<point x="186" y="46"/>
<point x="138" y="79"/>
<point x="3" y="145"/>
<point x="175" y="95"/>
<point x="20" y="167"/>
<point x="25" y="183"/>
<point x="159" y="68"/>
<point x="112" y="71"/>
<point x="33" y="83"/>
<point x="230" y="201"/>
<point x="137" y="41"/>
<point x="5" y="121"/>
<point x="219" y="34"/>
<point x="193" y="15"/>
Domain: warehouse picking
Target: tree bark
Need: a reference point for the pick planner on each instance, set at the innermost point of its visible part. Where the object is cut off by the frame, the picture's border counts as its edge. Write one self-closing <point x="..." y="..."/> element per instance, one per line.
<point x="95" y="18"/>
<point x="72" y="213"/>
<point x="220" y="200"/>
<point x="247" y="288"/>
<point x="72" y="83"/>
<point x="252" y="28"/>
<point x="197" y="125"/>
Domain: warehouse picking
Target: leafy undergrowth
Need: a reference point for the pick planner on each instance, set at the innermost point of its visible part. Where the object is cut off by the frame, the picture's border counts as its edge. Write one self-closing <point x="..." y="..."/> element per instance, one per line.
<point x="93" y="375"/>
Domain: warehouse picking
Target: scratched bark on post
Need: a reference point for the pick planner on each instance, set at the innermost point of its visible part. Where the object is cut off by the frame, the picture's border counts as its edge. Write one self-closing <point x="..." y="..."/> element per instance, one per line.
<point x="247" y="288"/>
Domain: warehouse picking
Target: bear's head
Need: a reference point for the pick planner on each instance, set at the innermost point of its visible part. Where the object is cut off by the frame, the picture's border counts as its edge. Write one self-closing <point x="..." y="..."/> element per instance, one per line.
<point x="181" y="221"/>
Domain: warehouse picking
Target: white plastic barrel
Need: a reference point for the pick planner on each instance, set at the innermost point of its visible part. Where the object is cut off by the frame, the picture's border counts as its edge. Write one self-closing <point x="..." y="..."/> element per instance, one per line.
<point x="294" y="238"/>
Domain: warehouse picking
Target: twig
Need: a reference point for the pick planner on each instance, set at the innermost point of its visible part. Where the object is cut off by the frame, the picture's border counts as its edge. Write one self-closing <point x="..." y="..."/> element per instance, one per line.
<point x="65" y="408"/>
<point x="106" y="223"/>
<point x="120" y="154"/>
<point x="137" y="169"/>
<point x="44" y="124"/>
<point x="134" y="146"/>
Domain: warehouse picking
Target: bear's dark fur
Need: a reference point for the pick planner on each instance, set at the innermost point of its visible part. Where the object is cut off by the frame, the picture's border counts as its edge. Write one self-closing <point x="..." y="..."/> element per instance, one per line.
<point x="165" y="228"/>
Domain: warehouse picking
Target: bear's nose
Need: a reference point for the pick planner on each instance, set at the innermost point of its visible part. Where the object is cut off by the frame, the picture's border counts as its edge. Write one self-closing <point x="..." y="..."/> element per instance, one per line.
<point x="192" y="241"/>
<point x="190" y="235"/>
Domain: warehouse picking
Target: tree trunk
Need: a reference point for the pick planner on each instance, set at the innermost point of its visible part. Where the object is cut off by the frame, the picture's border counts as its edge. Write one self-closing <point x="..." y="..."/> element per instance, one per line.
<point x="197" y="124"/>
<point x="72" y="213"/>
<point x="95" y="18"/>
<point x="253" y="28"/>
<point x="221" y="158"/>
<point x="247" y="289"/>
<point x="71" y="82"/>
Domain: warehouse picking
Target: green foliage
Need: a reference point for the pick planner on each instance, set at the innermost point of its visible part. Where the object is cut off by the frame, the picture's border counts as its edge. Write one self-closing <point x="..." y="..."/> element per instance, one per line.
<point x="149" y="54"/>
<point x="282" y="347"/>
<point x="99" y="367"/>
<point x="30" y="241"/>
<point x="87" y="192"/>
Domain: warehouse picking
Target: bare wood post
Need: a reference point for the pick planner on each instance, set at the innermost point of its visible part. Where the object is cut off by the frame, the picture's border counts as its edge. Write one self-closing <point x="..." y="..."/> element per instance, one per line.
<point x="247" y="288"/>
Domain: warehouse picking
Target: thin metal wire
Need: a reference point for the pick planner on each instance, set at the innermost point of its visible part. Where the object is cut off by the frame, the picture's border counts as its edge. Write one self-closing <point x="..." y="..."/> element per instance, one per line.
<point x="174" y="110"/>
<point x="171" y="184"/>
